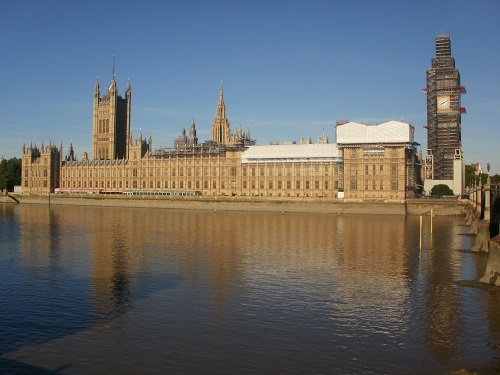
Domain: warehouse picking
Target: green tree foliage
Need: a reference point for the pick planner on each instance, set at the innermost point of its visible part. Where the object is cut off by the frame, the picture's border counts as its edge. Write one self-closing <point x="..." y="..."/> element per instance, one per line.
<point x="440" y="190"/>
<point x="471" y="179"/>
<point x="10" y="173"/>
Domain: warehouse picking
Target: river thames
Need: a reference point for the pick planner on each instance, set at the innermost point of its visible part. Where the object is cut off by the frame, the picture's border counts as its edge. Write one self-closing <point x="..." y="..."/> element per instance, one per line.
<point x="88" y="290"/>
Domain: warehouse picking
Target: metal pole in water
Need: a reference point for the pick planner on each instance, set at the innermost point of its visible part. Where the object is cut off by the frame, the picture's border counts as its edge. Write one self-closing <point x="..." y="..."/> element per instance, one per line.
<point x="432" y="219"/>
<point x="420" y="232"/>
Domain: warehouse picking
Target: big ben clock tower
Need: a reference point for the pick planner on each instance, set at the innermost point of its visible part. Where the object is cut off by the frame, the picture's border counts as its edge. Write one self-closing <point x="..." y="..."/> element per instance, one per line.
<point x="444" y="113"/>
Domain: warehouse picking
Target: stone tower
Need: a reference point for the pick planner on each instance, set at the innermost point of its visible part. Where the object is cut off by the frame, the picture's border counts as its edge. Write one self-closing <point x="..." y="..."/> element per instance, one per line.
<point x="444" y="113"/>
<point x="192" y="139"/>
<point x="41" y="168"/>
<point x="111" y="123"/>
<point x="221" y="130"/>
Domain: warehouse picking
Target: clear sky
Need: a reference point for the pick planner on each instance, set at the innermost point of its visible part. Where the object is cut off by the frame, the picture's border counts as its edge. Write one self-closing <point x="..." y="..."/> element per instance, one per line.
<point x="288" y="68"/>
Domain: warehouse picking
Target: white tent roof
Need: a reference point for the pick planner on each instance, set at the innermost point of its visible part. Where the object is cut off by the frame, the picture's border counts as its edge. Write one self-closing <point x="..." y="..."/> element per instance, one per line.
<point x="294" y="152"/>
<point x="387" y="132"/>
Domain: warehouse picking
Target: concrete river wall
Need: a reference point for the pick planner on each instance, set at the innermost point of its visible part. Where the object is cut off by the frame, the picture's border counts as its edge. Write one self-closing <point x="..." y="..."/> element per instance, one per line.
<point x="445" y="207"/>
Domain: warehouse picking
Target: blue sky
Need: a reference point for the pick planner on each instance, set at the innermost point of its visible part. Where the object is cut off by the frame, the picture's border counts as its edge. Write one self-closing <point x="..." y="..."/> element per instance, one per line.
<point x="289" y="68"/>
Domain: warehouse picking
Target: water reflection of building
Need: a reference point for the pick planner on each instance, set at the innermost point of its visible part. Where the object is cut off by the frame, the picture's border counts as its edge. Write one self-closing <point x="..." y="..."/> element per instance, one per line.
<point x="39" y="237"/>
<point x="133" y="251"/>
<point x="319" y="241"/>
<point x="219" y="255"/>
<point x="214" y="255"/>
<point x="110" y="266"/>
<point x="442" y="322"/>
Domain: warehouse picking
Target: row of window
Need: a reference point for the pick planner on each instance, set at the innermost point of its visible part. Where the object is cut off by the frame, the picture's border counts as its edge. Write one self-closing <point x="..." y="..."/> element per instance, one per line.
<point x="104" y="126"/>
<point x="253" y="184"/>
<point x="36" y="173"/>
<point x="371" y="169"/>
<point x="36" y="184"/>
<point x="378" y="152"/>
<point x="374" y="185"/>
<point x="215" y="171"/>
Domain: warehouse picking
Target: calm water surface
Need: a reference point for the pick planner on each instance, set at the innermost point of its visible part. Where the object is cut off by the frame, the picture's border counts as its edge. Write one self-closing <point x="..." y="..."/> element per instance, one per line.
<point x="134" y="291"/>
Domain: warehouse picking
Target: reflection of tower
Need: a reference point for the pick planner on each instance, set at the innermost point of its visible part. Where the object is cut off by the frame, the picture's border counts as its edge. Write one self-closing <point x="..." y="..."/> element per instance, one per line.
<point x="220" y="127"/>
<point x="441" y="320"/>
<point x="223" y="255"/>
<point x="443" y="112"/>
<point x="110" y="270"/>
<point x="111" y="123"/>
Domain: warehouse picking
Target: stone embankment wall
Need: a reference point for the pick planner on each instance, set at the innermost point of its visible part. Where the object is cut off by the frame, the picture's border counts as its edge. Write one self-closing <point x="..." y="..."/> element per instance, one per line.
<point x="7" y="199"/>
<point x="440" y="207"/>
<point x="4" y="199"/>
<point x="272" y="204"/>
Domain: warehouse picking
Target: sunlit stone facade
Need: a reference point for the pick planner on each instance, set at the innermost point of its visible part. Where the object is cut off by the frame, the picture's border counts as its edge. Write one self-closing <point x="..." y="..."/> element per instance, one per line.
<point x="40" y="172"/>
<point x="230" y="164"/>
<point x="380" y="162"/>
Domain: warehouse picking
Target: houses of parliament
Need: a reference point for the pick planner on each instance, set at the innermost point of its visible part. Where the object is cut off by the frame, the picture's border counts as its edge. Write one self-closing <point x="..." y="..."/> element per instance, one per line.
<point x="366" y="162"/>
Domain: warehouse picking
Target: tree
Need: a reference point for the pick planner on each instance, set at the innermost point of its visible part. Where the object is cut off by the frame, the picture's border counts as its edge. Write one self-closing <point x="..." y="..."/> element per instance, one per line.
<point x="440" y="190"/>
<point x="474" y="178"/>
<point x="471" y="178"/>
<point x="10" y="173"/>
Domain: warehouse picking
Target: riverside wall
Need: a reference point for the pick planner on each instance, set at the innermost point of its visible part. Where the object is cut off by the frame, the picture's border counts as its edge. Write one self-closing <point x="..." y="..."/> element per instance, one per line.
<point x="440" y="207"/>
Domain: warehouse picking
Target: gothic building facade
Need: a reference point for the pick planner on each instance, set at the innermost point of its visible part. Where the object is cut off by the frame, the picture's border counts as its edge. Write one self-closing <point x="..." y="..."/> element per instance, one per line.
<point x="229" y="164"/>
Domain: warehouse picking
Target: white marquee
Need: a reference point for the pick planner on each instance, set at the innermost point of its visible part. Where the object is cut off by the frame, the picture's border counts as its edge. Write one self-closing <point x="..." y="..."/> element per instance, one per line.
<point x="293" y="152"/>
<point x="387" y="132"/>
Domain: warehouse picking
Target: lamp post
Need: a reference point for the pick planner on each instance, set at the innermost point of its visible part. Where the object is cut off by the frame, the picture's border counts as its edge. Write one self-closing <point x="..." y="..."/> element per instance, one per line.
<point x="488" y="181"/>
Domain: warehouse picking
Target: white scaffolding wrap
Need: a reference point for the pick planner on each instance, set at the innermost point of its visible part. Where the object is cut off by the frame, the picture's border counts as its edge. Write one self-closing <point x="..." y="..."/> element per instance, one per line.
<point x="387" y="132"/>
<point x="294" y="152"/>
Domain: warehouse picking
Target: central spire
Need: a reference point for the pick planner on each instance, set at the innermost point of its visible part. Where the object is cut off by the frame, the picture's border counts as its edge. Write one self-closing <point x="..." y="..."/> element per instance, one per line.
<point x="221" y="106"/>
<point x="220" y="127"/>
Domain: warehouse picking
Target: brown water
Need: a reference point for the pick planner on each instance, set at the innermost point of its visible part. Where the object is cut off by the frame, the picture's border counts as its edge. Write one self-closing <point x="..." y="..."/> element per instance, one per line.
<point x="135" y="291"/>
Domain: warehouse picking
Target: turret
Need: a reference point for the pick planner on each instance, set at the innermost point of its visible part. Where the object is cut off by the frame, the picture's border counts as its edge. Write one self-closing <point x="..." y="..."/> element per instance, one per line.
<point x="193" y="139"/>
<point x="128" y="134"/>
<point x="221" y="129"/>
<point x="97" y="91"/>
<point x="221" y="107"/>
<point x="129" y="89"/>
<point x="112" y="90"/>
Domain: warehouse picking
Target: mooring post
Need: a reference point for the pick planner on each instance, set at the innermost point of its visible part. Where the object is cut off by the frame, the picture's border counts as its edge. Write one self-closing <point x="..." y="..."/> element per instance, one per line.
<point x="420" y="232"/>
<point x="432" y="219"/>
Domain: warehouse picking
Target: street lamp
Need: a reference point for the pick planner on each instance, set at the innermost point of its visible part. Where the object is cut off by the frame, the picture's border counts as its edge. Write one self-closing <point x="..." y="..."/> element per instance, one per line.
<point x="488" y="181"/>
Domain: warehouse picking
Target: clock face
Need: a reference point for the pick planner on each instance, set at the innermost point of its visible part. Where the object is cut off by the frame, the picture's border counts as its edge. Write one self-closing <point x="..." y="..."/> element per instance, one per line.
<point x="443" y="102"/>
